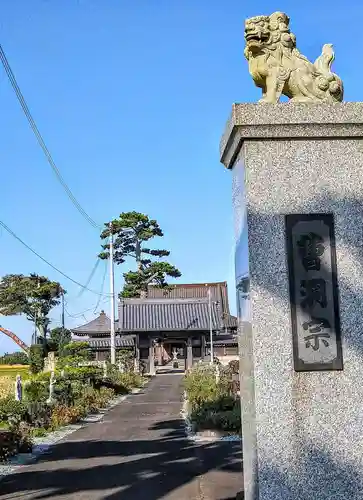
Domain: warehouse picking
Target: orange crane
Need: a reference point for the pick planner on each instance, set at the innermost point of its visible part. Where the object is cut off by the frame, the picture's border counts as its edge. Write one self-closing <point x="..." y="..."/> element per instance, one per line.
<point x="15" y="338"/>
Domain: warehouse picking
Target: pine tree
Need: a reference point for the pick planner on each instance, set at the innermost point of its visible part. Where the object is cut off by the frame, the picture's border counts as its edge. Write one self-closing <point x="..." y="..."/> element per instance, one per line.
<point x="131" y="231"/>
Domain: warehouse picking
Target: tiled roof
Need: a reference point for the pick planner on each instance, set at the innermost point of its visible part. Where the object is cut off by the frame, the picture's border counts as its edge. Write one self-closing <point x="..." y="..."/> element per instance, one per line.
<point x="123" y="341"/>
<point x="223" y="340"/>
<point x="102" y="324"/>
<point x="159" y="315"/>
<point x="218" y="290"/>
<point x="167" y="315"/>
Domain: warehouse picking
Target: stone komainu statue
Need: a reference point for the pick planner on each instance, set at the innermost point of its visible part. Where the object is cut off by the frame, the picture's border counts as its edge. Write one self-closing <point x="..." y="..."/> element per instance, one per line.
<point x="278" y="67"/>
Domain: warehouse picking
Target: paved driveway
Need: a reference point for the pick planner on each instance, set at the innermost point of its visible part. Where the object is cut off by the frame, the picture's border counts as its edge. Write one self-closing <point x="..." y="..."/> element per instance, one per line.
<point x="138" y="452"/>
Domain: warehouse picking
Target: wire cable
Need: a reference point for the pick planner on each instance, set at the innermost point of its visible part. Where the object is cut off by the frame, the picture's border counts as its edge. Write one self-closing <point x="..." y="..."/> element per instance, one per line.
<point x="40" y="139"/>
<point x="77" y="315"/>
<point x="102" y="287"/>
<point x="89" y="279"/>
<point x="49" y="263"/>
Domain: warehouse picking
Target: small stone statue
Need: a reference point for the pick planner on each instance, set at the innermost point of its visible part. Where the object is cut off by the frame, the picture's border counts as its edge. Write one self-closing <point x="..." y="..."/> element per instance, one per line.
<point x="18" y="388"/>
<point x="277" y="67"/>
<point x="175" y="359"/>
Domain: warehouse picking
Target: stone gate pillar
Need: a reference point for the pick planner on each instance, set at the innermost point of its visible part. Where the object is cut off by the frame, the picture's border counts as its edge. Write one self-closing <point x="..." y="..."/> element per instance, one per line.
<point x="298" y="189"/>
<point x="151" y="357"/>
<point x="189" y="353"/>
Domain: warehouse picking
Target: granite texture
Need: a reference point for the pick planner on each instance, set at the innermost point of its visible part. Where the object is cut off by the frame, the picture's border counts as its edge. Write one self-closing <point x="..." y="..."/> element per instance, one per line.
<point x="288" y="120"/>
<point x="302" y="432"/>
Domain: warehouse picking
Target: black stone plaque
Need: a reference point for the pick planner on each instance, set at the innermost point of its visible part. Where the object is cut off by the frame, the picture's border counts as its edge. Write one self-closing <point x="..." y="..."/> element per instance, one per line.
<point x="314" y="295"/>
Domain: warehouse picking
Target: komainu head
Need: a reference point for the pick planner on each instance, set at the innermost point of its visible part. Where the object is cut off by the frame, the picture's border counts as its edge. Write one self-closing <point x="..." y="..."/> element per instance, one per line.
<point x="262" y="32"/>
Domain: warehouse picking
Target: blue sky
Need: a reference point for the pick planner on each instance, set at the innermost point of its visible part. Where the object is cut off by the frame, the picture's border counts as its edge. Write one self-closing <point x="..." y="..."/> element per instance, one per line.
<point x="131" y="99"/>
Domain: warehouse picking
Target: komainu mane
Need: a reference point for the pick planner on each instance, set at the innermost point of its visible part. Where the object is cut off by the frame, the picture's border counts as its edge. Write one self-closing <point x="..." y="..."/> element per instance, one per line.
<point x="278" y="67"/>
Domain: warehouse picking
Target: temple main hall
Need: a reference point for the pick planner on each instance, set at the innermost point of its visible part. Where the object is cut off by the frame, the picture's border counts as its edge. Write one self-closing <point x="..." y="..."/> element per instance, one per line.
<point x="170" y="323"/>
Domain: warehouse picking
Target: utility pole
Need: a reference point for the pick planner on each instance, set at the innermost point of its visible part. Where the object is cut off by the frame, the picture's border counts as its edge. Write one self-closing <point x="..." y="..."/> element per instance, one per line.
<point x="35" y="333"/>
<point x="62" y="309"/>
<point x="62" y="319"/>
<point x="112" y="292"/>
<point x="210" y="326"/>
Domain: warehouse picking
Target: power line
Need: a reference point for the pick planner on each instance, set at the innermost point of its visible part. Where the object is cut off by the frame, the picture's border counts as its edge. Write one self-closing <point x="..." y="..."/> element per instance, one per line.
<point x="102" y="286"/>
<point x="47" y="262"/>
<point x="89" y="278"/>
<point x="77" y="315"/>
<point x="40" y="139"/>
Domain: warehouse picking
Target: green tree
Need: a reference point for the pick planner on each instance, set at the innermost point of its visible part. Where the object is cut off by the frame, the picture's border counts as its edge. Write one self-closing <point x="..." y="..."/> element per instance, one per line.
<point x="37" y="353"/>
<point x="131" y="232"/>
<point x="33" y="295"/>
<point x="74" y="353"/>
<point x="60" y="337"/>
<point x="14" y="358"/>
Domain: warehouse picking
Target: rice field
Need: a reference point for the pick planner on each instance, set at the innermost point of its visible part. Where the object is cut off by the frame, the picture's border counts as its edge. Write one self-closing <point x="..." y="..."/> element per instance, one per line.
<point x="14" y="370"/>
<point x="7" y="378"/>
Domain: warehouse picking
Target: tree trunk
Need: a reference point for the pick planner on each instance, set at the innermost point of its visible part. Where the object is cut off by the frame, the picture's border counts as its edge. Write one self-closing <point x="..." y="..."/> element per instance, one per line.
<point x="138" y="255"/>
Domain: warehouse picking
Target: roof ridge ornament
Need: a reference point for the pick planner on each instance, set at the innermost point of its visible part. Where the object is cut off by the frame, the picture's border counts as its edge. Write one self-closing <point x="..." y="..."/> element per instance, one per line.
<point x="278" y="68"/>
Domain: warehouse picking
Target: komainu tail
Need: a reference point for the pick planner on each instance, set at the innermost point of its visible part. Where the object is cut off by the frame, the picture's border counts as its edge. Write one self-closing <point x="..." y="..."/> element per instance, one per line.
<point x="324" y="62"/>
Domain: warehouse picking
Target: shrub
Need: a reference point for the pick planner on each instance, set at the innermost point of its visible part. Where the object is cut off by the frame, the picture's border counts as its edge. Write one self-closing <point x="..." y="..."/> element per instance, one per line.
<point x="227" y="420"/>
<point x="122" y="383"/>
<point x="74" y="353"/>
<point x="234" y="366"/>
<point x="17" y="439"/>
<point x="212" y="402"/>
<point x="11" y="410"/>
<point x="39" y="415"/>
<point x="105" y="396"/>
<point x="83" y="373"/>
<point x="37" y="354"/>
<point x="63" y="392"/>
<point x="8" y="444"/>
<point x="130" y="380"/>
<point x="35" y="390"/>
<point x="23" y="437"/>
<point x="93" y="399"/>
<point x="201" y="385"/>
<point x="39" y="432"/>
<point x="64" y="415"/>
<point x="126" y="357"/>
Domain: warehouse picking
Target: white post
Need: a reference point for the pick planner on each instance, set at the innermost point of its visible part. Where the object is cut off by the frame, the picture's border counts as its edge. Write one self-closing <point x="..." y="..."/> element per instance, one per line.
<point x="210" y="326"/>
<point x="112" y="292"/>
<point x="51" y="388"/>
<point x="18" y="388"/>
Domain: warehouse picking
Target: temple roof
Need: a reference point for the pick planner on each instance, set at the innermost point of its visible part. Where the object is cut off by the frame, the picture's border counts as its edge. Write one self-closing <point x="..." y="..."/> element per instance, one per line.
<point x="100" y="325"/>
<point x="158" y="315"/>
<point x="219" y="292"/>
<point x="124" y="341"/>
<point x="136" y="315"/>
<point x="223" y="340"/>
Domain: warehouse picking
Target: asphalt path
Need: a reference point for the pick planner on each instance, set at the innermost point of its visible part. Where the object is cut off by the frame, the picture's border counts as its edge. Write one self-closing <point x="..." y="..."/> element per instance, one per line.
<point x="139" y="451"/>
